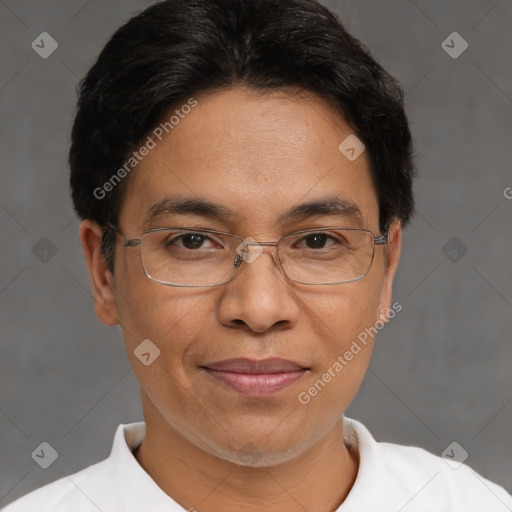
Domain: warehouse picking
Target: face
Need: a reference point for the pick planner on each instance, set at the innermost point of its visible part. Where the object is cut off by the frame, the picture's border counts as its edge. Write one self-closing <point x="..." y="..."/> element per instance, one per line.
<point x="259" y="157"/>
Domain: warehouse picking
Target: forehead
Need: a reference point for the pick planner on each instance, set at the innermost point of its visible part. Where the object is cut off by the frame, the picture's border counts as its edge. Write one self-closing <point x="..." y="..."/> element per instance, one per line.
<point x="260" y="156"/>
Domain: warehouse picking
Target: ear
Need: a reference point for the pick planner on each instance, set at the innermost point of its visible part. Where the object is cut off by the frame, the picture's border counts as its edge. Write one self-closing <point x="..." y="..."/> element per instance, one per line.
<point x="393" y="249"/>
<point x="101" y="278"/>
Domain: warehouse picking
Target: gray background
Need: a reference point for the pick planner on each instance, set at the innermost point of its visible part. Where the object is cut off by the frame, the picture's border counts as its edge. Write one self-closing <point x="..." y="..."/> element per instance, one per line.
<point x="441" y="369"/>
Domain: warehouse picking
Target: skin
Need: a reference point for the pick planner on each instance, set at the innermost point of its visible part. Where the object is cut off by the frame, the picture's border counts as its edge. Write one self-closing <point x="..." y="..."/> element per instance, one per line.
<point x="259" y="156"/>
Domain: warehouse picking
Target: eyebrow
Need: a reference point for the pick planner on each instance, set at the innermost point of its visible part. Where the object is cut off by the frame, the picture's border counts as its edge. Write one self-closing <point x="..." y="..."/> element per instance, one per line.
<point x="182" y="205"/>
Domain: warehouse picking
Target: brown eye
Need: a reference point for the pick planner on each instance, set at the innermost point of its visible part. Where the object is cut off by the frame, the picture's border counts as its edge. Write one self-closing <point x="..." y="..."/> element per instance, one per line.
<point x="317" y="241"/>
<point x="192" y="240"/>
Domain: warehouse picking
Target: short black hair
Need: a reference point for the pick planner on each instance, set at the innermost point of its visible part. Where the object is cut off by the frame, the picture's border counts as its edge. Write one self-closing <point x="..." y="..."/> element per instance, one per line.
<point x="176" y="49"/>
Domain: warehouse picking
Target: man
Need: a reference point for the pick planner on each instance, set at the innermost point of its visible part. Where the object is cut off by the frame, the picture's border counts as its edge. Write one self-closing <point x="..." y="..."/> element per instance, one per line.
<point x="243" y="171"/>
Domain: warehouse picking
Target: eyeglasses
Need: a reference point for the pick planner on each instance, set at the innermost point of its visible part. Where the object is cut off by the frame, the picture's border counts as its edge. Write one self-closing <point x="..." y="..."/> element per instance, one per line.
<point x="181" y="256"/>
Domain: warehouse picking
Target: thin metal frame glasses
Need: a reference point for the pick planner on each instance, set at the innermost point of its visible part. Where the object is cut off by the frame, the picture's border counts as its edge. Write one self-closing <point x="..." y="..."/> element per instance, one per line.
<point x="356" y="248"/>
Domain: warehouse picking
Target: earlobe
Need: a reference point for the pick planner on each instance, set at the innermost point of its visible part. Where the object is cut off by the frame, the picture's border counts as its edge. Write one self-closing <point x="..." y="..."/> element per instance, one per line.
<point x="101" y="278"/>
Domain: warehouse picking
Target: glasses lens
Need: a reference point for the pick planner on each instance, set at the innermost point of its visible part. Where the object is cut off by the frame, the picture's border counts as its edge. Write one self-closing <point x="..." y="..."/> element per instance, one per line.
<point x="327" y="256"/>
<point x="188" y="257"/>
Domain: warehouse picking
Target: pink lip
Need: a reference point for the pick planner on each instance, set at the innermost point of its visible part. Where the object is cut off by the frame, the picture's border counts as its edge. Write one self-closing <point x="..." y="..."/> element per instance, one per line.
<point x="256" y="378"/>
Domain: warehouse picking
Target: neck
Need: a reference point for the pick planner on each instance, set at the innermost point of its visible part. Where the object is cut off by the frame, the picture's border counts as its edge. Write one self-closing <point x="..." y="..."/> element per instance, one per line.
<point x="200" y="481"/>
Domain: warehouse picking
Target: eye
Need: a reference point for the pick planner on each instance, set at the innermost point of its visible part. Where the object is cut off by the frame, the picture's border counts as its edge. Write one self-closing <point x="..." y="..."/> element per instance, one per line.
<point x="190" y="241"/>
<point x="317" y="241"/>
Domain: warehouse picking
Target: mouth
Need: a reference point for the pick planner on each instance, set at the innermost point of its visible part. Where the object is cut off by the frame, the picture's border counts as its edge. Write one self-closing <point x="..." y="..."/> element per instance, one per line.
<point x="256" y="378"/>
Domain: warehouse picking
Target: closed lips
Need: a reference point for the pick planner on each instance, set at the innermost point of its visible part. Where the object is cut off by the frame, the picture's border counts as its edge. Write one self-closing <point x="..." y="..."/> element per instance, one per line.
<point x="255" y="367"/>
<point x="256" y="378"/>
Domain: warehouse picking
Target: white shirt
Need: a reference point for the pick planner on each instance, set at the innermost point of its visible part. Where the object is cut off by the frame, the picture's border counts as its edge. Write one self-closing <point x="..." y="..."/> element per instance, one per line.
<point x="391" y="478"/>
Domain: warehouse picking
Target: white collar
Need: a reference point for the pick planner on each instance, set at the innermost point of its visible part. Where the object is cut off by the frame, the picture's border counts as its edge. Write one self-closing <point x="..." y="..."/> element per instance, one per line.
<point x="129" y="479"/>
<point x="137" y="486"/>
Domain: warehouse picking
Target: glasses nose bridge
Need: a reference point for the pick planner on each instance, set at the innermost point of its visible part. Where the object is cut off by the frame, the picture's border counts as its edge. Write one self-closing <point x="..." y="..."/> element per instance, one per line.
<point x="263" y="245"/>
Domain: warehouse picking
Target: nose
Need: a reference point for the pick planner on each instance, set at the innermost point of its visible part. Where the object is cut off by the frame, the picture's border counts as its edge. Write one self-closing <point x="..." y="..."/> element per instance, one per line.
<point x="249" y="250"/>
<point x="259" y="297"/>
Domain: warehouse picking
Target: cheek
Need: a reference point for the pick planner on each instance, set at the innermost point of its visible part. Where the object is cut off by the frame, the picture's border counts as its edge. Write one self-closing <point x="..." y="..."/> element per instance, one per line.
<point x="338" y="315"/>
<point x="343" y="322"/>
<point x="172" y="320"/>
<point x="170" y="317"/>
<point x="351" y="322"/>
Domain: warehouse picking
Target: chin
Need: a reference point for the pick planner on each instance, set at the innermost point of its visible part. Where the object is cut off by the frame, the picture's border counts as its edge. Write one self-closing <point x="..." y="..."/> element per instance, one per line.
<point x="263" y="447"/>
